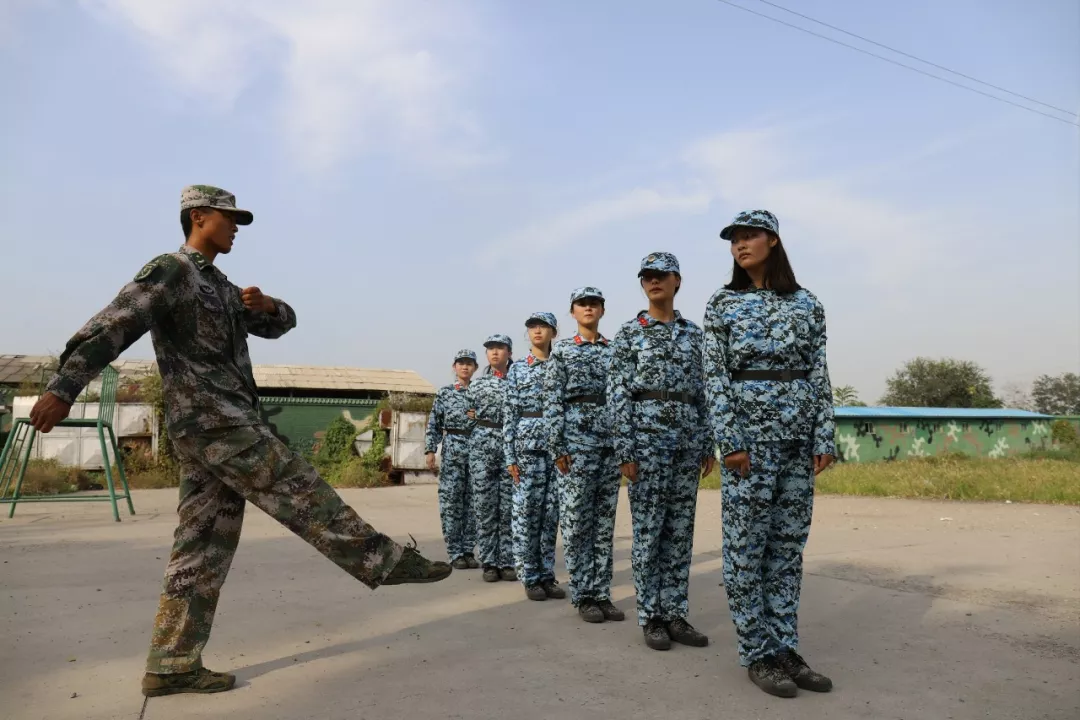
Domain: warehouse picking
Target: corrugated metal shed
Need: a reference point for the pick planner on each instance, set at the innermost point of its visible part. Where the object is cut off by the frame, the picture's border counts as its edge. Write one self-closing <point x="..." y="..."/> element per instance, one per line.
<point x="926" y="412"/>
<point x="15" y="368"/>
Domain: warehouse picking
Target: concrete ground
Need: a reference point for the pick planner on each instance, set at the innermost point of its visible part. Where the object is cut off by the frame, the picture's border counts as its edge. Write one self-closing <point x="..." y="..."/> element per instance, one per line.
<point x="916" y="609"/>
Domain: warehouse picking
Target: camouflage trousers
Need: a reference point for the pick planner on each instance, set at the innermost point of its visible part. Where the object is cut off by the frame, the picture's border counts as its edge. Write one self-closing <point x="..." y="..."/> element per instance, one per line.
<point x="766" y="519"/>
<point x="492" y="498"/>
<point x="535" y="518"/>
<point x="588" y="498"/>
<point x="222" y="470"/>
<point x="456" y="498"/>
<point x="663" y="502"/>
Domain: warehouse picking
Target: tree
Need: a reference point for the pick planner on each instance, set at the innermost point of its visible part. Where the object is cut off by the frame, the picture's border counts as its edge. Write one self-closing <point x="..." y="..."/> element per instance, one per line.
<point x="925" y="382"/>
<point x="846" y="396"/>
<point x="1014" y="396"/>
<point x="1057" y="395"/>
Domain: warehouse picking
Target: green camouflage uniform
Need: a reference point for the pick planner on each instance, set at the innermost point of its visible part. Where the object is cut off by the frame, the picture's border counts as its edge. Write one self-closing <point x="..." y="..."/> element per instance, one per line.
<point x="199" y="327"/>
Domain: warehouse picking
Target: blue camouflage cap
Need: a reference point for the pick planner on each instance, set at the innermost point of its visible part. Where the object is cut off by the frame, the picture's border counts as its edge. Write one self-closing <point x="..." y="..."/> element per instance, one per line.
<point x="465" y="355"/>
<point x="659" y="262"/>
<point x="762" y="219"/>
<point x="498" y="339"/>
<point x="586" y="292"/>
<point x="544" y="317"/>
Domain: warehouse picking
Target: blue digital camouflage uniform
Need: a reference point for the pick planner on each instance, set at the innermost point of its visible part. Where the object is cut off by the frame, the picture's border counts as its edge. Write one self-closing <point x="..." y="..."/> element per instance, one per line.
<point x="667" y="438"/>
<point x="492" y="484"/>
<point x="536" y="504"/>
<point x="781" y="423"/>
<point x="449" y="426"/>
<point x="579" y="425"/>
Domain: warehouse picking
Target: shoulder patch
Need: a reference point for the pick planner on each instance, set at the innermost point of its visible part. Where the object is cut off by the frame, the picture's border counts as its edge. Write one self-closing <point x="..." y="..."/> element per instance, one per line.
<point x="158" y="268"/>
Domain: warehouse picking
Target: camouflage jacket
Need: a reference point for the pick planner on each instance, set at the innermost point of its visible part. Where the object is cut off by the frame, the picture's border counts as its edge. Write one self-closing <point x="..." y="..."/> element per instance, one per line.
<point x="199" y="326"/>
<point x="486" y="396"/>
<point x="651" y="356"/>
<point x="764" y="330"/>
<point x="577" y="367"/>
<point x="448" y="413"/>
<point x="524" y="394"/>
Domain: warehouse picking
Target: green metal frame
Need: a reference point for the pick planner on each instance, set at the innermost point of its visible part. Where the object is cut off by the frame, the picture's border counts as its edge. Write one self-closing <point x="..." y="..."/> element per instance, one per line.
<point x="20" y="442"/>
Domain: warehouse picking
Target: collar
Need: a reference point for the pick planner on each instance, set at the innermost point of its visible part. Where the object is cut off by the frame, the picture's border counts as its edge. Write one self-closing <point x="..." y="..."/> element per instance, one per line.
<point x="645" y="319"/>
<point x="496" y="373"/>
<point x="600" y="339"/>
<point x="458" y="385"/>
<point x="196" y="257"/>
<point x="532" y="360"/>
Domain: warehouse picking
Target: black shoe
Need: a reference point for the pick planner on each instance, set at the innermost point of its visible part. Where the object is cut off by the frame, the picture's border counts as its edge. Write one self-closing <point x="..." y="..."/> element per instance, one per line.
<point x="656" y="635"/>
<point x="197" y="681"/>
<point x="610" y="611"/>
<point x="470" y="562"/>
<point x="460" y="564"/>
<point x="684" y="633"/>
<point x="590" y="612"/>
<point x="508" y="573"/>
<point x="535" y="592"/>
<point x="491" y="574"/>
<point x="770" y="676"/>
<point x="415" y="568"/>
<point x="551" y="587"/>
<point x="801" y="673"/>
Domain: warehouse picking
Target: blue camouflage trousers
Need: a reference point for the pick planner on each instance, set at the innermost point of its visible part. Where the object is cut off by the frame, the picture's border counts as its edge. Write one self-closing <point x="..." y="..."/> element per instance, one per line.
<point x="492" y="498"/>
<point x="766" y="518"/>
<point x="663" y="501"/>
<point x="456" y="498"/>
<point x="588" y="498"/>
<point x="535" y="518"/>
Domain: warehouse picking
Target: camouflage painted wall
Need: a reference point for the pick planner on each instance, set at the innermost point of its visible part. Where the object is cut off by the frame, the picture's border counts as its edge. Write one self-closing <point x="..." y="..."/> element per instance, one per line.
<point x="875" y="439"/>
<point x="299" y="422"/>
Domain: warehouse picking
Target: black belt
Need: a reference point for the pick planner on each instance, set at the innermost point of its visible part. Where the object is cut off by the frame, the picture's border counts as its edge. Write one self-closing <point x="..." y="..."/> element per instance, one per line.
<point x="781" y="375"/>
<point x="457" y="431"/>
<point x="488" y="424"/>
<point x="532" y="414"/>
<point x="665" y="395"/>
<point x="594" y="399"/>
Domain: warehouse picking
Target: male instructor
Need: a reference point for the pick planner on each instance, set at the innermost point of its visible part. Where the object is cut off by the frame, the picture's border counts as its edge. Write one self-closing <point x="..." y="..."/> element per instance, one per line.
<point x="199" y="322"/>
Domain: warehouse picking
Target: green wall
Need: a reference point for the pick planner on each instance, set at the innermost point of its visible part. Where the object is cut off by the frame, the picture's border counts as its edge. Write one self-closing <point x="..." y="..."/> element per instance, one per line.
<point x="299" y="422"/>
<point x="869" y="439"/>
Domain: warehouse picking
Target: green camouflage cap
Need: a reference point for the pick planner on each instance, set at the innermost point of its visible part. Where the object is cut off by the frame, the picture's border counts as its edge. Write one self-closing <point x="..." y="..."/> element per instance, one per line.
<point x="200" y="196"/>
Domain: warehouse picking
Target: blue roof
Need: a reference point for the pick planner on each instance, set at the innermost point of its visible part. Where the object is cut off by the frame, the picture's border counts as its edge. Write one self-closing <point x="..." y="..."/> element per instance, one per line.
<point x="928" y="412"/>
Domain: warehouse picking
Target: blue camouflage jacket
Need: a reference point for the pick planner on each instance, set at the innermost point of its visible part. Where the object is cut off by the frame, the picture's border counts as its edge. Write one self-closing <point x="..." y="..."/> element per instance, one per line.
<point x="448" y="413"/>
<point x="763" y="330"/>
<point x="524" y="394"/>
<point x="649" y="356"/>
<point x="577" y="367"/>
<point x="486" y="396"/>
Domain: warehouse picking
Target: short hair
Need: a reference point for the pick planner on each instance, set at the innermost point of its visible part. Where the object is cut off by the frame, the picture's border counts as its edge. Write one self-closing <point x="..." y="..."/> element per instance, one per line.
<point x="185" y="220"/>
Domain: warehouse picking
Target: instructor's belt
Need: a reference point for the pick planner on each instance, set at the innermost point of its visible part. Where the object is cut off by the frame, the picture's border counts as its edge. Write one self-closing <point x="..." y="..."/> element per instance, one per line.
<point x="536" y="414"/>
<point x="488" y="424"/>
<point x="665" y="395"/>
<point x="594" y="399"/>
<point x="457" y="431"/>
<point x="781" y="375"/>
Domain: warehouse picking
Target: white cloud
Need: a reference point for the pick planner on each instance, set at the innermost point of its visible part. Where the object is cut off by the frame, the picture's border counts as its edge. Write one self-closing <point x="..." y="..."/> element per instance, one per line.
<point x="355" y="75"/>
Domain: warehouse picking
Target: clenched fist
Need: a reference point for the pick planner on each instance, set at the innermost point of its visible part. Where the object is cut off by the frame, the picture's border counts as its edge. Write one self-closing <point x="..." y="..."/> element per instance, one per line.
<point x="255" y="300"/>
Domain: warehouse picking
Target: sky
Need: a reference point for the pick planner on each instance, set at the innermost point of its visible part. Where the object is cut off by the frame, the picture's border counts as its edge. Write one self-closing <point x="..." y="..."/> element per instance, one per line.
<point x="426" y="173"/>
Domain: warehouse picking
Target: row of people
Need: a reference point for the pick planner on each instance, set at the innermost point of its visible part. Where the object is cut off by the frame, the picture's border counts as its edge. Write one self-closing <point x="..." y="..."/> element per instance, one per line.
<point x="541" y="442"/>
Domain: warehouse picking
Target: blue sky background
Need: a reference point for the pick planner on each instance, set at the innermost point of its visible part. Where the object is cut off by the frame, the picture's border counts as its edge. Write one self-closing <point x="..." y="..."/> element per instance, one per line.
<point x="424" y="174"/>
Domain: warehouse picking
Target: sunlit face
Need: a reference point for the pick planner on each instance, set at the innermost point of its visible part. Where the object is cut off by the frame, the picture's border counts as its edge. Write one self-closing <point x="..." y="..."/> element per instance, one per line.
<point x="660" y="286"/>
<point x="464" y="370"/>
<point x="497" y="355"/>
<point x="540" y="334"/>
<point x="218" y="227"/>
<point x="751" y="247"/>
<point x="588" y="312"/>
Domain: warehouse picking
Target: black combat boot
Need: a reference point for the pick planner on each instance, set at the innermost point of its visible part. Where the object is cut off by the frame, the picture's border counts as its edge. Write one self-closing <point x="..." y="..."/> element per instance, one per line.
<point x="590" y="612"/>
<point x="656" y="635"/>
<point x="535" y="592"/>
<point x="769" y="675"/>
<point x="684" y="633"/>
<point x="470" y="561"/>
<point x="415" y="568"/>
<point x="197" y="681"/>
<point x="491" y="574"/>
<point x="553" y="590"/>
<point x="801" y="673"/>
<point x="509" y="574"/>
<point x="610" y="611"/>
<point x="460" y="564"/>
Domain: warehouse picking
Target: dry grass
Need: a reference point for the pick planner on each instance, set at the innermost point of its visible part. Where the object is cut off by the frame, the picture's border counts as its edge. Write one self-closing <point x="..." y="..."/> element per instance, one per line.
<point x="1052" y="478"/>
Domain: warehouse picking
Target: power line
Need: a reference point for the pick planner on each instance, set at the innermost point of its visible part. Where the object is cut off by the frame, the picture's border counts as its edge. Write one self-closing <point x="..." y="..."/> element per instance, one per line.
<point x="896" y="62"/>
<point x="914" y="57"/>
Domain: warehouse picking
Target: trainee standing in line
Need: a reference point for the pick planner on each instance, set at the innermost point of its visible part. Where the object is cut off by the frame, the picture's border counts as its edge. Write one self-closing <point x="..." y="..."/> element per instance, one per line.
<point x="579" y="424"/>
<point x="528" y="457"/>
<point x="450" y="426"/>
<point x="492" y="483"/>
<point x="770" y="402"/>
<point x="656" y="391"/>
